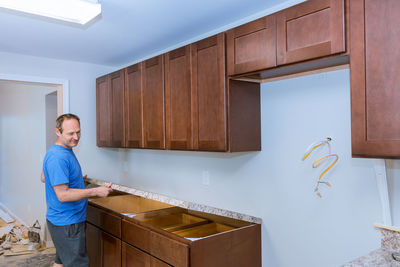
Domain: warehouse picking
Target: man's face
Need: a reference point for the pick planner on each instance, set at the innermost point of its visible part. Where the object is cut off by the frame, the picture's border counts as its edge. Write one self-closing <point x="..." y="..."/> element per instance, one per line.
<point x="71" y="133"/>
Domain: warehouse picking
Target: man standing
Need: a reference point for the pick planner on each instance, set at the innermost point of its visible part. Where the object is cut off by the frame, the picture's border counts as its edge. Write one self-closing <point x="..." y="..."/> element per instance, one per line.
<point x="66" y="195"/>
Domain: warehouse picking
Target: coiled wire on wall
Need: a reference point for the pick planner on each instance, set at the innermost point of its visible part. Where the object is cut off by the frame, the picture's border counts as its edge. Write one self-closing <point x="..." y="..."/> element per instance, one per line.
<point x="333" y="157"/>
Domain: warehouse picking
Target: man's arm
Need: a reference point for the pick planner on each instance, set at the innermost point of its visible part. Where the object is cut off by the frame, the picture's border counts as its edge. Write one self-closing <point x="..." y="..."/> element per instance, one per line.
<point x="42" y="178"/>
<point x="66" y="194"/>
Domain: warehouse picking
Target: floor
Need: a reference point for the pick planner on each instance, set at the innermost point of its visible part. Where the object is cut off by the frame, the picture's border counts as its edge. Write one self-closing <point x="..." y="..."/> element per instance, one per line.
<point x="43" y="258"/>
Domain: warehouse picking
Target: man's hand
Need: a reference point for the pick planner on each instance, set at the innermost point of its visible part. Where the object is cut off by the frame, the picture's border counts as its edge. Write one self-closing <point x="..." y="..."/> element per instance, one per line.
<point x="103" y="191"/>
<point x="66" y="194"/>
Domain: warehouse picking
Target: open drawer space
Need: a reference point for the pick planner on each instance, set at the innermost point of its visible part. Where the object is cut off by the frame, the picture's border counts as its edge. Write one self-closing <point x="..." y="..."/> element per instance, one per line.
<point x="203" y="230"/>
<point x="129" y="204"/>
<point x="175" y="222"/>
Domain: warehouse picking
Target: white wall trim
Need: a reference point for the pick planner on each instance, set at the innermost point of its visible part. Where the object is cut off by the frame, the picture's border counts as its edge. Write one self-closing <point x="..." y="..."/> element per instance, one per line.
<point x="2" y="206"/>
<point x="34" y="79"/>
<point x="381" y="180"/>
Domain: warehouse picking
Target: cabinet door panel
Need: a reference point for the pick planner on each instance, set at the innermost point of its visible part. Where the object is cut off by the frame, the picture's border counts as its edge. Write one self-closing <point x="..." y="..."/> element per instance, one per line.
<point x="117" y="84"/>
<point x="169" y="250"/>
<point x="178" y="97"/>
<point x="93" y="237"/>
<point x="132" y="257"/>
<point x="136" y="235"/>
<point x="104" y="220"/>
<point x="209" y="129"/>
<point x="111" y="250"/>
<point x="103" y="110"/>
<point x="252" y="46"/>
<point x="157" y="263"/>
<point x="133" y="107"/>
<point x="310" y="30"/>
<point x="153" y="103"/>
<point x="375" y="84"/>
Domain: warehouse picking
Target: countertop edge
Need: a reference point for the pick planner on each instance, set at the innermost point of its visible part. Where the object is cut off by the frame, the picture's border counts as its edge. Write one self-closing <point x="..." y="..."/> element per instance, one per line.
<point x="179" y="203"/>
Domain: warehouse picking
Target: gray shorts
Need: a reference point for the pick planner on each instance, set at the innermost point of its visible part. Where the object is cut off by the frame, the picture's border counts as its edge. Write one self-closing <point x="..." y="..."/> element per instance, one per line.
<point x="70" y="243"/>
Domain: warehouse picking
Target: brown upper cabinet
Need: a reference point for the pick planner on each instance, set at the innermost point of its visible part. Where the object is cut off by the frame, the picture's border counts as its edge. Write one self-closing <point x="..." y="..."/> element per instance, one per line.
<point x="375" y="83"/>
<point x="103" y="110"/>
<point x="252" y="46"/>
<point x="178" y="99"/>
<point x="134" y="107"/>
<point x="309" y="30"/>
<point x="203" y="109"/>
<point x="226" y="113"/>
<point x="110" y="109"/>
<point x="209" y="90"/>
<point x="153" y="103"/>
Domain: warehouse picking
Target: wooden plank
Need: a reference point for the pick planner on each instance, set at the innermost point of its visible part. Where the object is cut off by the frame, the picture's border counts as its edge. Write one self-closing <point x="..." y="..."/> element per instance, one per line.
<point x="390" y="228"/>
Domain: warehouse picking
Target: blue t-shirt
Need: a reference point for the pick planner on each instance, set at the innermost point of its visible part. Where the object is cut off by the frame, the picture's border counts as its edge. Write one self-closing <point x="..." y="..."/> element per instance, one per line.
<point x="60" y="166"/>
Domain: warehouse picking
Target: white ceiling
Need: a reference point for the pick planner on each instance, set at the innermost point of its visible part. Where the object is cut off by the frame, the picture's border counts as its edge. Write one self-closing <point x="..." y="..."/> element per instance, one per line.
<point x="129" y="30"/>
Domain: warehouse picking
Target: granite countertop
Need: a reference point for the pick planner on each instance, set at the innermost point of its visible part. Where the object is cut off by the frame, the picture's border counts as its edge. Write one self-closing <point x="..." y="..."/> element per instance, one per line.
<point x="381" y="257"/>
<point x="178" y="203"/>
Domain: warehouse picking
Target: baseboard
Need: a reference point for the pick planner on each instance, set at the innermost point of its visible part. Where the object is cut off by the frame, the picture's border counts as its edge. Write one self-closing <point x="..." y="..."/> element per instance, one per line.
<point x="3" y="207"/>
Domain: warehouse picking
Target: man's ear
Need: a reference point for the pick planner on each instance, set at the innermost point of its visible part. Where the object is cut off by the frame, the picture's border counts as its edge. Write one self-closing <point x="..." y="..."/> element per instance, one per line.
<point x="57" y="131"/>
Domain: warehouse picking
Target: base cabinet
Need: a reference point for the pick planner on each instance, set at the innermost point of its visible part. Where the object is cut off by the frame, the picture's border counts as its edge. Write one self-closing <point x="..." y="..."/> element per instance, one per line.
<point x="170" y="236"/>
<point x="132" y="257"/>
<point x="103" y="249"/>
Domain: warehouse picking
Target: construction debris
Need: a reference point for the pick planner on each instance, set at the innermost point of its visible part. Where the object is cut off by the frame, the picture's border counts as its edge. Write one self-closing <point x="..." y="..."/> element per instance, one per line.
<point x="17" y="239"/>
<point x="34" y="232"/>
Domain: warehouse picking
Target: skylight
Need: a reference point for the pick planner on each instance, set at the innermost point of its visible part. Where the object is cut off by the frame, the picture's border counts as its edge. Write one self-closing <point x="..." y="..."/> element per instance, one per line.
<point x="75" y="11"/>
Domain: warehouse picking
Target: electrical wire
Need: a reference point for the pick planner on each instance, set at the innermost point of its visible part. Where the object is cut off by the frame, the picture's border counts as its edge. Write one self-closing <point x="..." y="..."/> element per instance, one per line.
<point x="321" y="160"/>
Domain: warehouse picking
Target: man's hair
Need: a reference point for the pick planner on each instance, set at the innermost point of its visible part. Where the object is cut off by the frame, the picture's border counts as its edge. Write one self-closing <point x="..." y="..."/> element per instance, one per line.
<point x="63" y="117"/>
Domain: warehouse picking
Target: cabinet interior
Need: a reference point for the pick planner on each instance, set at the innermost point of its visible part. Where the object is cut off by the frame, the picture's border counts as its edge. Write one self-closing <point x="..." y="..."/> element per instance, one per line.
<point x="129" y="204"/>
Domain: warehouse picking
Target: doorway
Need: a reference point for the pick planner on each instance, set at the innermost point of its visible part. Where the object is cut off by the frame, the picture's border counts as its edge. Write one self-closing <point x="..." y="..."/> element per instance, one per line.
<point x="28" y="111"/>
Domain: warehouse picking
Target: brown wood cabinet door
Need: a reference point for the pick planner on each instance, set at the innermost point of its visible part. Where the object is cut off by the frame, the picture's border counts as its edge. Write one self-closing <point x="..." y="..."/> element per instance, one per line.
<point x="310" y="30"/>
<point x="153" y="103"/>
<point x="154" y="262"/>
<point x="169" y="250"/>
<point x="209" y="94"/>
<point x="132" y="257"/>
<point x="133" y="107"/>
<point x="375" y="83"/>
<point x="110" y="250"/>
<point x="117" y="84"/>
<point x="103" y="110"/>
<point x="178" y="97"/>
<point x="252" y="46"/>
<point x="93" y="236"/>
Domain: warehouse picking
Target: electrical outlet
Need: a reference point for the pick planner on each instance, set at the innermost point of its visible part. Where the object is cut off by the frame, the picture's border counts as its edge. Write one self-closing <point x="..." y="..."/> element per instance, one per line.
<point x="206" y="178"/>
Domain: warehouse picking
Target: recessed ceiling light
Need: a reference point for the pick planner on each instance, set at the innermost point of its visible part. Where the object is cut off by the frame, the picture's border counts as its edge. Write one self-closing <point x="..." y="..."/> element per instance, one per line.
<point x="75" y="11"/>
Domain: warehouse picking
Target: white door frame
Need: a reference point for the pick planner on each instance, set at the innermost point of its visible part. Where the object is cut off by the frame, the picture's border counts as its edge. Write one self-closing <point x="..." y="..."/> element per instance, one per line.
<point x="62" y="88"/>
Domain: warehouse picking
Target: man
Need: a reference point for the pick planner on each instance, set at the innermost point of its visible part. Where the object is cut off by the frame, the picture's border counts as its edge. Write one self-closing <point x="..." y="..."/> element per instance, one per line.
<point x="66" y="195"/>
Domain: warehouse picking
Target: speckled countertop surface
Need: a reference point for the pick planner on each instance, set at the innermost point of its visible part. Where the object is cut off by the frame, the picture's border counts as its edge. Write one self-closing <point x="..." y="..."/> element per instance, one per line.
<point x="179" y="203"/>
<point x="381" y="257"/>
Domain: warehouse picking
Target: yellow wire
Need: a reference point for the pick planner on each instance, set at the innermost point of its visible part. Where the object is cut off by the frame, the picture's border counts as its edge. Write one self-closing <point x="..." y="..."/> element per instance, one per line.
<point x="319" y="161"/>
<point x="309" y="152"/>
